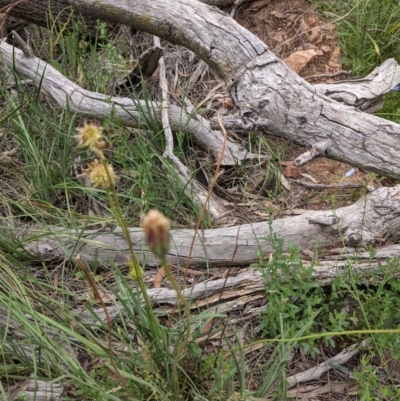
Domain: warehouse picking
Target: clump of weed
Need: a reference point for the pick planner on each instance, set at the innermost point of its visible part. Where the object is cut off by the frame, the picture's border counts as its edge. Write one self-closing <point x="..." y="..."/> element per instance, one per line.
<point x="368" y="31"/>
<point x="294" y="296"/>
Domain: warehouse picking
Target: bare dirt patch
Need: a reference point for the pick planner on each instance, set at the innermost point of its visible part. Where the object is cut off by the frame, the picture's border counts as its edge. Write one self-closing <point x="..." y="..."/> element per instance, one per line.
<point x="294" y="31"/>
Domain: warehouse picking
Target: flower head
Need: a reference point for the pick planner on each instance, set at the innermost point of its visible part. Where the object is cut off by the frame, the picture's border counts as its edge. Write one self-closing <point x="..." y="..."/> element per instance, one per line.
<point x="90" y="135"/>
<point x="135" y="271"/>
<point x="156" y="229"/>
<point x="98" y="176"/>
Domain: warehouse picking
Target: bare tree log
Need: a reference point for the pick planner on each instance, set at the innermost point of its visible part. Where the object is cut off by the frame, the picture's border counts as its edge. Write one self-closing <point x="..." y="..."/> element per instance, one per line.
<point x="236" y="291"/>
<point x="95" y="105"/>
<point x="35" y="390"/>
<point x="260" y="83"/>
<point x="251" y="281"/>
<point x="40" y="12"/>
<point x="355" y="92"/>
<point x="43" y="12"/>
<point x="364" y="93"/>
<point x="373" y="219"/>
<point x="241" y="287"/>
<point x="271" y="97"/>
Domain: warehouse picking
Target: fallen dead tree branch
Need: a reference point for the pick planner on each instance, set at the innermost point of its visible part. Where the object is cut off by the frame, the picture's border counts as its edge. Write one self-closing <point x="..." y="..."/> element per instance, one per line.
<point x="270" y="97"/>
<point x="251" y="281"/>
<point x="364" y="93"/>
<point x="237" y="291"/>
<point x="261" y="85"/>
<point x="192" y="188"/>
<point x="66" y="94"/>
<point x="372" y="220"/>
<point x="317" y="371"/>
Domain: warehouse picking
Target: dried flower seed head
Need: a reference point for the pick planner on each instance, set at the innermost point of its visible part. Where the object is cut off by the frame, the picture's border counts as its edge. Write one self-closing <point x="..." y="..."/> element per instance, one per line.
<point x="90" y="135"/>
<point x="98" y="175"/>
<point x="156" y="229"/>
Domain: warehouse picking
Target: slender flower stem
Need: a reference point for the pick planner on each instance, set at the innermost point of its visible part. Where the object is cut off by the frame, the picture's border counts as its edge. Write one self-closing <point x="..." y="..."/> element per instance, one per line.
<point x="115" y="205"/>
<point x="183" y="301"/>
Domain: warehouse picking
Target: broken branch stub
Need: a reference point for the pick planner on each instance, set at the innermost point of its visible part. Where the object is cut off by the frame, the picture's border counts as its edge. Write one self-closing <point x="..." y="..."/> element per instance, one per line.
<point x="262" y="84"/>
<point x="196" y="192"/>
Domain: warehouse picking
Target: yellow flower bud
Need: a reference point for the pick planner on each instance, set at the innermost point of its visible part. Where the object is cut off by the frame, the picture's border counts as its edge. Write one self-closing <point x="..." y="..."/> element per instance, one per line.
<point x="135" y="271"/>
<point x="90" y="135"/>
<point x="98" y="175"/>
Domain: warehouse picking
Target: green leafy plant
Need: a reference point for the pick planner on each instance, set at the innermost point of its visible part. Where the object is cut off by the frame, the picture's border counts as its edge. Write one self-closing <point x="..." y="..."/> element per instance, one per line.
<point x="368" y="31"/>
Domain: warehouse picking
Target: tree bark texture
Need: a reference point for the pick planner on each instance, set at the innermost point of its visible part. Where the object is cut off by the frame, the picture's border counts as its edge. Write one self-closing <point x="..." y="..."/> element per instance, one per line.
<point x="96" y="105"/>
<point x="261" y="85"/>
<point x="42" y="12"/>
<point x="269" y="95"/>
<point x="372" y="220"/>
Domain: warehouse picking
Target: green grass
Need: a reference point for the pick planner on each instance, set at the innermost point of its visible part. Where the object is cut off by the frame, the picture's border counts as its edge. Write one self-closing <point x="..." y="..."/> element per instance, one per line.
<point x="391" y="108"/>
<point x="48" y="336"/>
<point x="42" y="187"/>
<point x="368" y="31"/>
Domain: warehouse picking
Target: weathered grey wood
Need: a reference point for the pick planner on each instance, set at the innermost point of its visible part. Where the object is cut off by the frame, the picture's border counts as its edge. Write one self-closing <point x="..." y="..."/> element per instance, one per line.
<point x="95" y="105"/>
<point x="41" y="12"/>
<point x="251" y="281"/>
<point x="265" y="90"/>
<point x="219" y="3"/>
<point x="241" y="287"/>
<point x="35" y="390"/>
<point x="373" y="219"/>
<point x="248" y="282"/>
<point x="235" y="289"/>
<point x="260" y="83"/>
<point x="234" y="292"/>
<point x="193" y="189"/>
<point x="317" y="371"/>
<point x="364" y="93"/>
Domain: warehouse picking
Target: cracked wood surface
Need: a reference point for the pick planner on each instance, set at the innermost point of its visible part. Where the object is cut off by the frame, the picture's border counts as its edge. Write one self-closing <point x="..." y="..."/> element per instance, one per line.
<point x="260" y="83"/>
<point x="374" y="219"/>
<point x="96" y="105"/>
<point x="364" y="93"/>
<point x="235" y="291"/>
<point x="271" y="98"/>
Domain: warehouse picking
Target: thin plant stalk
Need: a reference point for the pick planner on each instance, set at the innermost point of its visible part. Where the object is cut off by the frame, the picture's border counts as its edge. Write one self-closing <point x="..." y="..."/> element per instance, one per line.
<point x="114" y="202"/>
<point x="183" y="301"/>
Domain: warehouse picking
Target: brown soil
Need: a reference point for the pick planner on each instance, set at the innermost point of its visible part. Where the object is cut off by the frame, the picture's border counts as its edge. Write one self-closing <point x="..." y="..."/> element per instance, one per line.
<point x="288" y="27"/>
